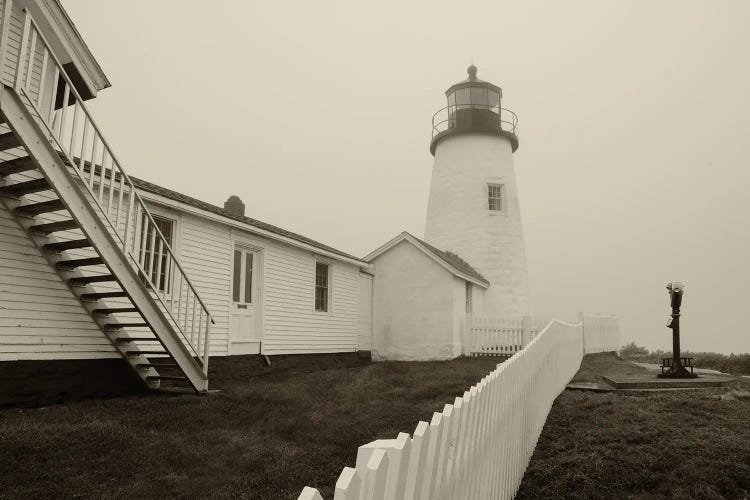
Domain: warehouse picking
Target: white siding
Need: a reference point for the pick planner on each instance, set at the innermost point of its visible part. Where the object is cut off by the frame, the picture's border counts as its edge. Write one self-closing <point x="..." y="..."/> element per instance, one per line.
<point x="204" y="249"/>
<point x="290" y="324"/>
<point x="40" y="318"/>
<point x="414" y="306"/>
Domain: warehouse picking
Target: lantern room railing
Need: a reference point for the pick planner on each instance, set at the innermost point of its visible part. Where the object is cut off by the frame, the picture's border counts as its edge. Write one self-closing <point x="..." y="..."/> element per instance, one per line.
<point x="446" y="118"/>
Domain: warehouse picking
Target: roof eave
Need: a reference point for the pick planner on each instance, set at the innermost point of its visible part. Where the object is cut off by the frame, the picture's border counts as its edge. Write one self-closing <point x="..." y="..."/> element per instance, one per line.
<point x="65" y="30"/>
<point x="405" y="236"/>
<point x="184" y="207"/>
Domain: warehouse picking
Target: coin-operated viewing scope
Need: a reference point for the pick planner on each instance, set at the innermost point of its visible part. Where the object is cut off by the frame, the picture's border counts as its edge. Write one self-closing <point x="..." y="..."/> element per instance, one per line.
<point x="675" y="367"/>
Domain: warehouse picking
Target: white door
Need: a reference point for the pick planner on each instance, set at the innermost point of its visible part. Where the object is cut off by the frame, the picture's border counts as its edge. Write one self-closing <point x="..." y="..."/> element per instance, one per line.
<point x="244" y="310"/>
<point x="365" y="313"/>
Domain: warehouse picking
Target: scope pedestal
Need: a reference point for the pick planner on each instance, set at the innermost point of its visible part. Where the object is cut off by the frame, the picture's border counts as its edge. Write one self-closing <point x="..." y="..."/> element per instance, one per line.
<point x="675" y="369"/>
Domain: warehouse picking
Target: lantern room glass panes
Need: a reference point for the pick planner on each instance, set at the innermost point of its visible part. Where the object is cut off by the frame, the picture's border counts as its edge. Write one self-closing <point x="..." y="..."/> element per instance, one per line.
<point x="479" y="97"/>
<point x="463" y="98"/>
<point x="493" y="99"/>
<point x="474" y="97"/>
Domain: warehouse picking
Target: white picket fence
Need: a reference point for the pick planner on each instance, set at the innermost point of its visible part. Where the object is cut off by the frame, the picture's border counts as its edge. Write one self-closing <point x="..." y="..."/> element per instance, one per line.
<point x="479" y="446"/>
<point x="600" y="333"/>
<point x="488" y="336"/>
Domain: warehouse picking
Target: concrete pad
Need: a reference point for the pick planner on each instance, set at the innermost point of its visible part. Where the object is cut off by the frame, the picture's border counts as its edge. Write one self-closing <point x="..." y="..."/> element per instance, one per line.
<point x="656" y="366"/>
<point x="650" y="381"/>
<point x="590" y="386"/>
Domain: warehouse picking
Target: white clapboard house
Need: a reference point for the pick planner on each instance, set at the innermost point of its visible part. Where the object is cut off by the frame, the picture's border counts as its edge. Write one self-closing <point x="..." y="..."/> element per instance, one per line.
<point x="106" y="270"/>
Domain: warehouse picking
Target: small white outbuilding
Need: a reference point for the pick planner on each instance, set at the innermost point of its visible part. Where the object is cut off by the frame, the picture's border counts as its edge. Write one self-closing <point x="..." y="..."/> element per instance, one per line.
<point x="421" y="298"/>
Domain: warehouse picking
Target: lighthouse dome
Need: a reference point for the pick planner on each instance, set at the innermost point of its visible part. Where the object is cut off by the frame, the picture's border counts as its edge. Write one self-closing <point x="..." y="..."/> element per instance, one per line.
<point x="474" y="107"/>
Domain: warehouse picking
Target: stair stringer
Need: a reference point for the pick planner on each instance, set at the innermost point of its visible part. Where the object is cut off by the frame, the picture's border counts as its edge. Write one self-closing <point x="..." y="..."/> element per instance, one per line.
<point x="23" y="124"/>
<point x="39" y="241"/>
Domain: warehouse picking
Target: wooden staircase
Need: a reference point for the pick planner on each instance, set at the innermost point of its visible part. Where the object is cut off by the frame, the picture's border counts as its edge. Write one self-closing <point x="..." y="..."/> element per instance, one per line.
<point x="68" y="191"/>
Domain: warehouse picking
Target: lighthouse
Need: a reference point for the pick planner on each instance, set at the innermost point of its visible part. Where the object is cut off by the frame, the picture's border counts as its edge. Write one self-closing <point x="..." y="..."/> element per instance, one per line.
<point x="473" y="208"/>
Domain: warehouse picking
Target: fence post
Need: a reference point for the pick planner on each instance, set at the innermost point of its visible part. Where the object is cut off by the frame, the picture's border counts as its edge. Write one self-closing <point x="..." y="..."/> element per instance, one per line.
<point x="466" y="337"/>
<point x="581" y="318"/>
<point x="526" y="325"/>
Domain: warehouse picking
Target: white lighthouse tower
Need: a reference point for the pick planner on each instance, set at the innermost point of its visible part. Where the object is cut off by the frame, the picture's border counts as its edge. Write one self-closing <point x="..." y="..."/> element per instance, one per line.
<point x="473" y="208"/>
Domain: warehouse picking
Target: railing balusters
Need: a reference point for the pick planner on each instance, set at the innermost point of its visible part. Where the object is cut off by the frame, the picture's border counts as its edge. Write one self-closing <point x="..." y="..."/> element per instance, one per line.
<point x="112" y="180"/>
<point x="74" y="125"/>
<point x="53" y="98"/>
<point x="152" y="248"/>
<point x="102" y="174"/>
<point x="64" y="114"/>
<point x="24" y="47"/>
<point x="192" y="324"/>
<point x="131" y="202"/>
<point x="138" y="221"/>
<point x="84" y="141"/>
<point x="32" y="58"/>
<point x="42" y="77"/>
<point x="92" y="165"/>
<point x="119" y="201"/>
<point x="157" y="275"/>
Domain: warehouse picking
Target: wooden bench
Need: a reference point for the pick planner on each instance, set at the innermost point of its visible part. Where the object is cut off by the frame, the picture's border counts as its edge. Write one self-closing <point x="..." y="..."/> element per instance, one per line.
<point x="668" y="363"/>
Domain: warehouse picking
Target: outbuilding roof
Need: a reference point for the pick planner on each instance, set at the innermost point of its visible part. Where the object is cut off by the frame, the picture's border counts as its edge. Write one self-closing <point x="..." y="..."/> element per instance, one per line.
<point x="449" y="260"/>
<point x="149" y="187"/>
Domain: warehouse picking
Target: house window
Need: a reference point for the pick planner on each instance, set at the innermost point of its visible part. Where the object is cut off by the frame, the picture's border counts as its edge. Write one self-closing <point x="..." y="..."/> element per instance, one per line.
<point x="469" y="305"/>
<point x="321" y="286"/>
<point x="157" y="273"/>
<point x="495" y="197"/>
<point x="242" y="277"/>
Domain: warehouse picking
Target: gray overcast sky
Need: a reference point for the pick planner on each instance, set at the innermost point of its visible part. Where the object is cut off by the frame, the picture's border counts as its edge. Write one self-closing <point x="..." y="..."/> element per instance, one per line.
<point x="634" y="127"/>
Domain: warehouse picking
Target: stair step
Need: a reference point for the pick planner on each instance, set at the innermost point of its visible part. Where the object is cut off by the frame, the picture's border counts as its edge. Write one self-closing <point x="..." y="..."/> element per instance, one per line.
<point x="66" y="245"/>
<point x="145" y="366"/>
<point x="113" y="310"/>
<point x="9" y="140"/>
<point x="128" y="340"/>
<point x="34" y="209"/>
<point x="144" y="353"/>
<point x="53" y="227"/>
<point x="68" y="265"/>
<point x="16" y="166"/>
<point x="85" y="280"/>
<point x="113" y="327"/>
<point x="93" y="297"/>
<point x="27" y="187"/>
<point x="165" y="377"/>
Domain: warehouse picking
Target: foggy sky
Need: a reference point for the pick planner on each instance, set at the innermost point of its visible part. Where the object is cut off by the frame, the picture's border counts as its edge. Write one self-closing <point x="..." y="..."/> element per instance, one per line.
<point x="633" y="117"/>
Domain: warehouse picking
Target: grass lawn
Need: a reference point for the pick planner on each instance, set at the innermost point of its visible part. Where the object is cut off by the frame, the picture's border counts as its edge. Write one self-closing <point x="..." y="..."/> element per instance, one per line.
<point x="266" y="435"/>
<point x="686" y="444"/>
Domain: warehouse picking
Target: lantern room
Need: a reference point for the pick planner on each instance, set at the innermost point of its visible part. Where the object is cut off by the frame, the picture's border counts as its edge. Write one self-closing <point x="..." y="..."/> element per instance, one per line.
<point x="474" y="107"/>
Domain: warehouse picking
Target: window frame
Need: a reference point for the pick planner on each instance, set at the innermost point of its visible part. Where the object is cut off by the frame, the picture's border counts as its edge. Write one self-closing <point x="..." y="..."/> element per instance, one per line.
<point x="144" y="247"/>
<point x="244" y="251"/>
<point x="329" y="288"/>
<point x="501" y="199"/>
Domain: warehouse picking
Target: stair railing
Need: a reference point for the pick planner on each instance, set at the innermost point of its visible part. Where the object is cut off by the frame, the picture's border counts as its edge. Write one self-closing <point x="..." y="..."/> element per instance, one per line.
<point x="87" y="153"/>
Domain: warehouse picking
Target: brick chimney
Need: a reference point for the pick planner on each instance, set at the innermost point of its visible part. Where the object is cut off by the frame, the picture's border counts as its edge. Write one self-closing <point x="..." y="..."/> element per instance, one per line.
<point x="234" y="206"/>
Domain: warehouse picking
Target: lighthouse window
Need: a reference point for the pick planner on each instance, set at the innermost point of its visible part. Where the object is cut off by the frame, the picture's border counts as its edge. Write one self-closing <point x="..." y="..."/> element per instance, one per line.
<point x="495" y="197"/>
<point x="479" y="97"/>
<point x="463" y="98"/>
<point x="494" y="99"/>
